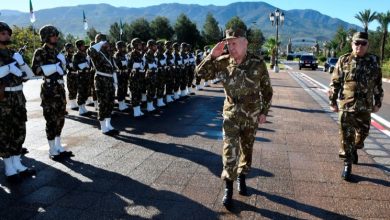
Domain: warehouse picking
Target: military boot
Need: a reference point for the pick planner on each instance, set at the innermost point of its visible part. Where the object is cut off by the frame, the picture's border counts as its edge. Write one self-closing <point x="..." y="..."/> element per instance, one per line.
<point x="227" y="199"/>
<point x="241" y="185"/>
<point x="346" y="174"/>
<point x="355" y="157"/>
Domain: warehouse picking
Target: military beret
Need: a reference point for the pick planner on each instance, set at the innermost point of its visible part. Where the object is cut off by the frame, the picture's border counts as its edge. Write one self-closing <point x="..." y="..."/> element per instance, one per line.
<point x="360" y="36"/>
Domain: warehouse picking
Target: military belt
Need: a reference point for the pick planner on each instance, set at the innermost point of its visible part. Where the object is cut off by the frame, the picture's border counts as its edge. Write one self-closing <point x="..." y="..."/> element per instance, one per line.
<point x="103" y="74"/>
<point x="139" y="70"/>
<point x="243" y="99"/>
<point x="14" y="88"/>
<point x="59" y="81"/>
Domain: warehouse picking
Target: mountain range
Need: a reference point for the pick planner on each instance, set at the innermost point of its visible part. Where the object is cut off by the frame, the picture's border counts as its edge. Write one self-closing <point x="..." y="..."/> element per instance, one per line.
<point x="298" y="23"/>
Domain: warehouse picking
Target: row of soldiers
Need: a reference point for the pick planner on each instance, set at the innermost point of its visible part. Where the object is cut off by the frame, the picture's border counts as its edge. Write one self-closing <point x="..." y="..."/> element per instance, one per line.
<point x="165" y="71"/>
<point x="157" y="69"/>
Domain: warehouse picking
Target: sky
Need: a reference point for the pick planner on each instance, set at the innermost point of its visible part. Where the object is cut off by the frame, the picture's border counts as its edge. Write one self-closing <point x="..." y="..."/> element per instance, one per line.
<point x="342" y="9"/>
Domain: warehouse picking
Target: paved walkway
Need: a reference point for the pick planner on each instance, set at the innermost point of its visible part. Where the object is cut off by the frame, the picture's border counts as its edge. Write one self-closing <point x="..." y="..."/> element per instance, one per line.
<point x="167" y="166"/>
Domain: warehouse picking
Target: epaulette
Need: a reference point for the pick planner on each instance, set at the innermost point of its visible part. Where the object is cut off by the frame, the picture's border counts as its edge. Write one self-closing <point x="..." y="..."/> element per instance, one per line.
<point x="226" y="56"/>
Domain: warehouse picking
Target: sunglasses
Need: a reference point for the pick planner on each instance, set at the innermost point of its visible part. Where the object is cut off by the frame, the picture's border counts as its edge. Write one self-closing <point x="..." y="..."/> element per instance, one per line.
<point x="363" y="43"/>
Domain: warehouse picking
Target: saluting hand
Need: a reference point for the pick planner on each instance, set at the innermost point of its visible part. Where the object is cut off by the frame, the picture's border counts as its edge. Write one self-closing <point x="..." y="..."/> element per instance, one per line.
<point x="218" y="49"/>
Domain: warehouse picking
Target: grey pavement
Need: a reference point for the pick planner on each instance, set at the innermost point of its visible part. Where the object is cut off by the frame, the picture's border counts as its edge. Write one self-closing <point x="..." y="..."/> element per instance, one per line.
<point x="167" y="166"/>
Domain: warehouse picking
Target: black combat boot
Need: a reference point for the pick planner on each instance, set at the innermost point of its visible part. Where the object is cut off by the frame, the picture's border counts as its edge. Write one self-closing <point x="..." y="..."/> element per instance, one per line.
<point x="355" y="157"/>
<point x="227" y="199"/>
<point x="241" y="185"/>
<point x="346" y="174"/>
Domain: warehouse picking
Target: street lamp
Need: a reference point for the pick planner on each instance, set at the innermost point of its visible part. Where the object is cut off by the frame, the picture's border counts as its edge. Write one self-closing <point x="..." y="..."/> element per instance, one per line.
<point x="276" y="18"/>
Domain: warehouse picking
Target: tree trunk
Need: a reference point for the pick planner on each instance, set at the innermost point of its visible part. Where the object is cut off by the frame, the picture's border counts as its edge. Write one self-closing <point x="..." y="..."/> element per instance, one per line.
<point x="384" y="36"/>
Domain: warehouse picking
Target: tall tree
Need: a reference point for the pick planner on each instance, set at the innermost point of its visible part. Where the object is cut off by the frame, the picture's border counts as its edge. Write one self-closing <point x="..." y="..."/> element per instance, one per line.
<point x="270" y="45"/>
<point x="366" y="17"/>
<point x="384" y="20"/>
<point x="161" y="28"/>
<point x="114" y="32"/>
<point x="211" y="32"/>
<point x="236" y="22"/>
<point x="140" y="28"/>
<point x="186" y="31"/>
<point x="256" y="40"/>
<point x="91" y="33"/>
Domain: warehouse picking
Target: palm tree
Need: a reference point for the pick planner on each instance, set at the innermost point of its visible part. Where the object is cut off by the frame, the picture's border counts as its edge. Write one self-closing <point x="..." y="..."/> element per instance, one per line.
<point x="270" y="44"/>
<point x="366" y="17"/>
<point x="384" y="20"/>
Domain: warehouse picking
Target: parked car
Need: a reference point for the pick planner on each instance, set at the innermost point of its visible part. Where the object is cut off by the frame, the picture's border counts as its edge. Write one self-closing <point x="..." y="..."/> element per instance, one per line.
<point x="330" y="64"/>
<point x="308" y="61"/>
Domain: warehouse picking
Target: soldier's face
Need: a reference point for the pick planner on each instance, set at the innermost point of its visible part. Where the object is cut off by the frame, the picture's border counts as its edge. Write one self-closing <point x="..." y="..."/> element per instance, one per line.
<point x="360" y="47"/>
<point x="5" y="38"/>
<point x="237" y="47"/>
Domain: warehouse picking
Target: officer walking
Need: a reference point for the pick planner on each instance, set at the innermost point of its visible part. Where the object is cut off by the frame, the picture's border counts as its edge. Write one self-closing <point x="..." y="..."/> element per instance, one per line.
<point x="248" y="98"/>
<point x="13" y="113"/>
<point x="47" y="61"/>
<point x="105" y="82"/>
<point x="357" y="84"/>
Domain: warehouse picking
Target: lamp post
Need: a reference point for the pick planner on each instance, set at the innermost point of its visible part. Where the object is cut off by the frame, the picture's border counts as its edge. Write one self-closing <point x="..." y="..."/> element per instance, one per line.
<point x="276" y="18"/>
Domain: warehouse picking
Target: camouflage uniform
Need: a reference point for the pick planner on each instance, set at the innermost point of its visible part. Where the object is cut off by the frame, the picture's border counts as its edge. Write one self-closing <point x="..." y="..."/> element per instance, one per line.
<point x="357" y="84"/>
<point x="13" y="113"/>
<point x="121" y="61"/>
<point x="47" y="61"/>
<point x="177" y="70"/>
<point x="151" y="73"/>
<point x="248" y="94"/>
<point x="91" y="87"/>
<point x="137" y="76"/>
<point x="170" y="70"/>
<point x="198" y="59"/>
<point x="105" y="82"/>
<point x="185" y="69"/>
<point x="82" y="65"/>
<point x="71" y="75"/>
<point x="162" y="71"/>
<point x="191" y="69"/>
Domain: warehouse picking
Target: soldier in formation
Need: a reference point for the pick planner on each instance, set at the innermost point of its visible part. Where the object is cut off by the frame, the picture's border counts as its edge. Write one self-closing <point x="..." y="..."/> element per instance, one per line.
<point x="82" y="65"/>
<point x="121" y="61"/>
<point x="13" y="114"/>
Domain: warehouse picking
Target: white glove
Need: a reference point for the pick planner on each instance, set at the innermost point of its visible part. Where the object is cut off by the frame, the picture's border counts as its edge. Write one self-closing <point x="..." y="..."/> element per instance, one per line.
<point x="4" y="70"/>
<point x="18" y="58"/>
<point x="83" y="65"/>
<point x="61" y="57"/>
<point x="28" y="71"/>
<point x="15" y="70"/>
<point x="99" y="45"/>
<point x="59" y="69"/>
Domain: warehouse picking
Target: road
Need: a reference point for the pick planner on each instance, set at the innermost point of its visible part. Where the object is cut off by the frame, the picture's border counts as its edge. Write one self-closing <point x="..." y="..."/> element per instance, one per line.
<point x="324" y="78"/>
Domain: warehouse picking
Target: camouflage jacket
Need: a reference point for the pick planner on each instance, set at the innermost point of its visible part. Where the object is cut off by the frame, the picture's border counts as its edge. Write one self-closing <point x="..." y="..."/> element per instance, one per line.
<point x="69" y="63"/>
<point x="9" y="80"/>
<point x="169" y="56"/>
<point x="102" y="61"/>
<point x="161" y="59"/>
<point x="357" y="83"/>
<point x="247" y="85"/>
<point x="136" y="61"/>
<point x="45" y="56"/>
<point x="79" y="58"/>
<point x="150" y="61"/>
<point x="121" y="61"/>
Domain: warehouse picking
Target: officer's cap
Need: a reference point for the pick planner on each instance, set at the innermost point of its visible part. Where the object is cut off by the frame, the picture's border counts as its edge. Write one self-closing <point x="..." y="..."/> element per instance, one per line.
<point x="151" y="43"/>
<point x="234" y="32"/>
<point x="360" y="36"/>
<point x="120" y="44"/>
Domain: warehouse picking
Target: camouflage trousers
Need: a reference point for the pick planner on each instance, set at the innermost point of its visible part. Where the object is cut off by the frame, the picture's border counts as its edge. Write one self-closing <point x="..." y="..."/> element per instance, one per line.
<point x="150" y="85"/>
<point x="105" y="92"/>
<point x="238" y="138"/>
<point x="354" y="128"/>
<point x="184" y="77"/>
<point x="136" y="87"/>
<point x="123" y="85"/>
<point x="83" y="87"/>
<point x="169" y="80"/>
<point x="160" y="83"/>
<point x="71" y="83"/>
<point x="54" y="107"/>
<point x="190" y="76"/>
<point x="13" y="117"/>
<point x="91" y="87"/>
<point x="176" y="78"/>
<point x="197" y="80"/>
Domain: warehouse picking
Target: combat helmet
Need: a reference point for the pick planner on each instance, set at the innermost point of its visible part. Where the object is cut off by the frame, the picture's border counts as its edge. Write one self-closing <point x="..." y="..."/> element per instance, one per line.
<point x="120" y="44"/>
<point x="68" y="46"/>
<point x="4" y="27"/>
<point x="48" y="31"/>
<point x="135" y="42"/>
<point x="80" y="43"/>
<point x="151" y="43"/>
<point x="100" y="37"/>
